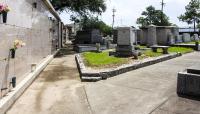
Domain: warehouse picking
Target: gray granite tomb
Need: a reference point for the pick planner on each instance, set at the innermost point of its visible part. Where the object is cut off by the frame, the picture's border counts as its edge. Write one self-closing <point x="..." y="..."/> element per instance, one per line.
<point x="125" y="39"/>
<point x="152" y="40"/>
<point x="189" y="82"/>
<point x="88" y="37"/>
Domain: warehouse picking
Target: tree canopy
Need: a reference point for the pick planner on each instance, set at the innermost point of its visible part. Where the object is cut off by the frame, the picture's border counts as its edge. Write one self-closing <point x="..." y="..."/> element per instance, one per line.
<point x="153" y="16"/>
<point x="80" y="7"/>
<point x="192" y="14"/>
<point x="95" y="23"/>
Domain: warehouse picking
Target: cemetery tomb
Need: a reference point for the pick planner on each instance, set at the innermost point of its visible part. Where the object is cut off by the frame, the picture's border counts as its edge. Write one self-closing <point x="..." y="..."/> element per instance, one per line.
<point x="125" y="39"/>
<point x="196" y="37"/>
<point x="151" y="36"/>
<point x="189" y="82"/>
<point x="171" y="39"/>
<point x="186" y="37"/>
<point x="179" y="39"/>
<point x="88" y="37"/>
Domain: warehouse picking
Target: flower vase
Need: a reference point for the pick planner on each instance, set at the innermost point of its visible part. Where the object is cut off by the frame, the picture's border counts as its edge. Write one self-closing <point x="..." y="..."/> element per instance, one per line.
<point x="12" y="53"/>
<point x="13" y="82"/>
<point x="4" y="17"/>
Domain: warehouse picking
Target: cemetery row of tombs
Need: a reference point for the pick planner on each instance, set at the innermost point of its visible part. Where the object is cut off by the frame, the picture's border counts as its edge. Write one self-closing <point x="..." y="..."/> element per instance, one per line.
<point x="130" y="45"/>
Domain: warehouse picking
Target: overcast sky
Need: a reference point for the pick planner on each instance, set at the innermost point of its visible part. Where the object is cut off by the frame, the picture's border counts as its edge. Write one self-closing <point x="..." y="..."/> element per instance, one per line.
<point x="129" y="10"/>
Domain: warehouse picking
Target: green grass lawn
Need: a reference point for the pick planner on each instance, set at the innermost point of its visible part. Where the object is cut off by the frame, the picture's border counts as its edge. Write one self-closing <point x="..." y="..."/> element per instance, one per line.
<point x="103" y="59"/>
<point x="141" y="46"/>
<point x="150" y="53"/>
<point x="180" y="49"/>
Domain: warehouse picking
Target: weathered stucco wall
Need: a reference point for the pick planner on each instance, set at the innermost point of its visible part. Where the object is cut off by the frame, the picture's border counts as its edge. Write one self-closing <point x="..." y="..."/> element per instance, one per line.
<point x="144" y="36"/>
<point x="31" y="25"/>
<point x="162" y="35"/>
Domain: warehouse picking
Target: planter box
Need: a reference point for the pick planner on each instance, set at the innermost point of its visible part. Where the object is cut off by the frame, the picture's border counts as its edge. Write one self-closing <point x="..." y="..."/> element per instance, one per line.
<point x="189" y="82"/>
<point x="87" y="75"/>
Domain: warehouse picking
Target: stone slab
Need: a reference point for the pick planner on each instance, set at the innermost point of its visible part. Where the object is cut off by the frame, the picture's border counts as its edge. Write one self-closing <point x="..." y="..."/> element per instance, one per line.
<point x="177" y="105"/>
<point x="194" y="69"/>
<point x="85" y="48"/>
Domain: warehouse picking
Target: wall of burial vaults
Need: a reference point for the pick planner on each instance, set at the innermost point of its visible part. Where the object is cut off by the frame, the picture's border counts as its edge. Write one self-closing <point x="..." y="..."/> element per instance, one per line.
<point x="31" y="25"/>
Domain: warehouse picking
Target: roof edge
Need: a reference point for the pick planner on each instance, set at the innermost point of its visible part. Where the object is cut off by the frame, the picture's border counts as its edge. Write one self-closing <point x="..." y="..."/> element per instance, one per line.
<point x="51" y="8"/>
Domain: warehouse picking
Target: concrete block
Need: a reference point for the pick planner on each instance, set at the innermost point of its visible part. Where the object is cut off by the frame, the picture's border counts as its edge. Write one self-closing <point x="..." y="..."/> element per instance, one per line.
<point x="189" y="82"/>
<point x="181" y="83"/>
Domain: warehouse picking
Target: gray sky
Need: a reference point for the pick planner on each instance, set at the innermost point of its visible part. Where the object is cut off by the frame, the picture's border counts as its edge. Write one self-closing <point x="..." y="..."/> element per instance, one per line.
<point x="129" y="10"/>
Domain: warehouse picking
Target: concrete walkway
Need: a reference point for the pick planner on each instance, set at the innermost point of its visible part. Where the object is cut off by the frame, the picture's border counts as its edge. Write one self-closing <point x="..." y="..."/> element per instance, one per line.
<point x="149" y="90"/>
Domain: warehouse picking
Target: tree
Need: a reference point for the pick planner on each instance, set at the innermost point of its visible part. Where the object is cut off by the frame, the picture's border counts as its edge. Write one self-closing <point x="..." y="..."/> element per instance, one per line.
<point x="192" y="14"/>
<point x="80" y="7"/>
<point x="95" y="23"/>
<point x="153" y="16"/>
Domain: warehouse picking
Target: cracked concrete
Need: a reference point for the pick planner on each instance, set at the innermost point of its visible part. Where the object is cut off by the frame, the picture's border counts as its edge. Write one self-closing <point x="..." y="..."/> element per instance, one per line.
<point x="149" y="90"/>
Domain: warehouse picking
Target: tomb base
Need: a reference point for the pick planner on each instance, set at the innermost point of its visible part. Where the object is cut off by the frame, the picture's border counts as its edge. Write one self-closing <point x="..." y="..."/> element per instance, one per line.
<point x="126" y="51"/>
<point x="189" y="83"/>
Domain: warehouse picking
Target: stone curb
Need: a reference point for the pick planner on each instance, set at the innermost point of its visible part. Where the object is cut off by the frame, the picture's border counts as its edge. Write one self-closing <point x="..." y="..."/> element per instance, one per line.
<point x="92" y="77"/>
<point x="7" y="101"/>
<point x="184" y="45"/>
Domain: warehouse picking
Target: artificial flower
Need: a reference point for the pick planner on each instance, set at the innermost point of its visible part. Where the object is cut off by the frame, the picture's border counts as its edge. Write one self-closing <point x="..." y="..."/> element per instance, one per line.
<point x="18" y="44"/>
<point x="4" y="8"/>
<point x="1" y="8"/>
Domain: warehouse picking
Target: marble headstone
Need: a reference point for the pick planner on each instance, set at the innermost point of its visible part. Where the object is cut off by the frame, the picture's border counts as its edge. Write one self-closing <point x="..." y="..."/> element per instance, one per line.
<point x="171" y="39"/>
<point x="196" y="37"/>
<point x="126" y="36"/>
<point x="179" y="38"/>
<point x="125" y="39"/>
<point x="186" y="37"/>
<point x="175" y="31"/>
<point x="152" y="40"/>
<point x="192" y="38"/>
